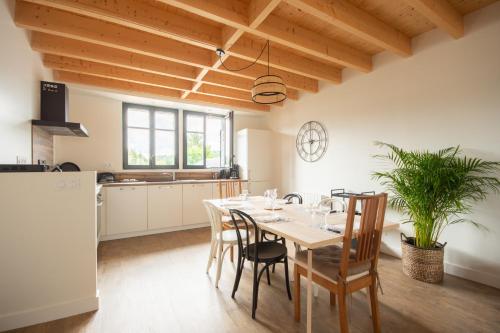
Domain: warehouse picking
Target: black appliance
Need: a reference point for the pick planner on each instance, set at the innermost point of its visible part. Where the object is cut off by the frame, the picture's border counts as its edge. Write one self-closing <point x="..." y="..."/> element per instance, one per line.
<point x="66" y="167"/>
<point x="234" y="172"/>
<point x="23" y="168"/>
<point x="54" y="111"/>
<point x="105" y="177"/>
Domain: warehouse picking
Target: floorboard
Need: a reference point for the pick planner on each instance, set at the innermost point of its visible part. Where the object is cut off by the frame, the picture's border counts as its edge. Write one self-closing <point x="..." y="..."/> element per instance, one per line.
<point x="157" y="283"/>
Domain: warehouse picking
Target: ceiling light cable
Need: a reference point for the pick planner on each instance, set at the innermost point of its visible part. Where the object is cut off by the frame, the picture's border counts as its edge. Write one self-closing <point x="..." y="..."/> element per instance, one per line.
<point x="221" y="53"/>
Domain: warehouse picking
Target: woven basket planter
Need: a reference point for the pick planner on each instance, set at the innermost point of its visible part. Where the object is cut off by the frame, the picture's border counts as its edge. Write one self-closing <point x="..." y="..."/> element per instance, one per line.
<point x="422" y="264"/>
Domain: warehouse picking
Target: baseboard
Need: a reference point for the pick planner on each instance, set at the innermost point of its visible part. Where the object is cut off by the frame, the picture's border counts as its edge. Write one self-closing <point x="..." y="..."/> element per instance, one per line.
<point x="47" y="313"/>
<point x="473" y="275"/>
<point x="152" y="232"/>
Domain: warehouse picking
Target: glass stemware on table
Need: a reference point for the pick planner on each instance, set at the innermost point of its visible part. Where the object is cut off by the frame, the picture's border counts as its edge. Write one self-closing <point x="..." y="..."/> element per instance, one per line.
<point x="270" y="197"/>
<point x="324" y="208"/>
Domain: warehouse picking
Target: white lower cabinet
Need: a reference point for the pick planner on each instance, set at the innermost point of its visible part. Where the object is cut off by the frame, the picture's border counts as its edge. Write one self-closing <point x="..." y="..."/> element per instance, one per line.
<point x="193" y="211"/>
<point x="164" y="206"/>
<point x="127" y="209"/>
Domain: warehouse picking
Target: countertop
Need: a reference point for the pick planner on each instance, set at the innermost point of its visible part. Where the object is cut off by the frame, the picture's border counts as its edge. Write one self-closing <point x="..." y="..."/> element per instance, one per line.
<point x="168" y="182"/>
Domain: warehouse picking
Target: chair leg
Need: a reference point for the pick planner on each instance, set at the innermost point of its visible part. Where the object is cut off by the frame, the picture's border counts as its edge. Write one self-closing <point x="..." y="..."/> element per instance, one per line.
<point x="211" y="254"/>
<point x="344" y="325"/>
<point x="333" y="299"/>
<point x="368" y="299"/>
<point x="219" y="264"/>
<point x="238" y="276"/>
<point x="287" y="280"/>
<point x="268" y="277"/>
<point x="296" y="290"/>
<point x="255" y="289"/>
<point x="231" y="253"/>
<point x="374" y="305"/>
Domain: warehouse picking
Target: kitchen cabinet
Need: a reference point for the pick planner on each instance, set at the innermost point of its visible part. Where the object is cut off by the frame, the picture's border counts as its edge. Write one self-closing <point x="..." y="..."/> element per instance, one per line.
<point x="127" y="209"/>
<point x="193" y="211"/>
<point x="164" y="206"/>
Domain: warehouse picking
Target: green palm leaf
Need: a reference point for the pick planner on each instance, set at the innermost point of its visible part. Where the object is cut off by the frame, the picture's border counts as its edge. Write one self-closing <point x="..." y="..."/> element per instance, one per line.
<point x="434" y="189"/>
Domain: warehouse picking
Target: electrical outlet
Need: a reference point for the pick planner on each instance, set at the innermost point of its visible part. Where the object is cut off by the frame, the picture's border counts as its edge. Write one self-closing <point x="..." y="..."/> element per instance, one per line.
<point x="107" y="166"/>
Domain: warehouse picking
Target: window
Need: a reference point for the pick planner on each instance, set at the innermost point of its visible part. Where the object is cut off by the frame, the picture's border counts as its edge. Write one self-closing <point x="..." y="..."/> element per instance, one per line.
<point x="150" y="138"/>
<point x="207" y="140"/>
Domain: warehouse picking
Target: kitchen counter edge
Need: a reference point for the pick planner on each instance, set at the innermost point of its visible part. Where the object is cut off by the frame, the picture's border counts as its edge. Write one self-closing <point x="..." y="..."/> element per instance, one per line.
<point x="170" y="182"/>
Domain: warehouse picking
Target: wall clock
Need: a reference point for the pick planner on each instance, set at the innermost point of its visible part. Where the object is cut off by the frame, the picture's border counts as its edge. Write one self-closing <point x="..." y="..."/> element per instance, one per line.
<point x="312" y="141"/>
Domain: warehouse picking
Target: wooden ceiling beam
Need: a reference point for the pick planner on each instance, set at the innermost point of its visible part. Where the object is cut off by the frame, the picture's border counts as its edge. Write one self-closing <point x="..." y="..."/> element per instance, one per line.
<point x="61" y="23"/>
<point x="136" y="88"/>
<point x="66" y="24"/>
<point x="247" y="49"/>
<point x="282" y="31"/>
<point x="346" y="16"/>
<point x="279" y="30"/>
<point x="152" y="17"/>
<point x="442" y="14"/>
<point x="68" y="64"/>
<point x="72" y="48"/>
<point x="259" y="10"/>
<point x="158" y="21"/>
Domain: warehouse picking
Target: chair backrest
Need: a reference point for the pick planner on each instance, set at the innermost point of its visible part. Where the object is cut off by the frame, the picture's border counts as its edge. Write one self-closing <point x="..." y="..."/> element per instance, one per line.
<point x="241" y="220"/>
<point x="368" y="235"/>
<point x="229" y="188"/>
<point x="215" y="218"/>
<point x="291" y="196"/>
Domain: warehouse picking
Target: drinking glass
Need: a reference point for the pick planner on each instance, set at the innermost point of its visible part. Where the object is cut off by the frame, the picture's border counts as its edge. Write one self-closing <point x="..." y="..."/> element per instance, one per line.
<point x="273" y="196"/>
<point x="324" y="210"/>
<point x="244" y="195"/>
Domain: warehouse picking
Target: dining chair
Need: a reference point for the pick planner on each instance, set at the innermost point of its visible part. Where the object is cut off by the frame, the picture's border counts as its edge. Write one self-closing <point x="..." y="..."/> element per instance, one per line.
<point x="219" y="239"/>
<point x="345" y="270"/>
<point x="290" y="198"/>
<point x="258" y="252"/>
<point x="229" y="188"/>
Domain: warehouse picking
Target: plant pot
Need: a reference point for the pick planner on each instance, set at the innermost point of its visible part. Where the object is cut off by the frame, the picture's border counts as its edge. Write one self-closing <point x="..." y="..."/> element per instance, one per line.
<point x="421" y="264"/>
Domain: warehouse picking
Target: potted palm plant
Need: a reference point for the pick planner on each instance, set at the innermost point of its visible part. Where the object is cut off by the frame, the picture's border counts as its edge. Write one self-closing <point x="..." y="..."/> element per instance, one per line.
<point x="433" y="190"/>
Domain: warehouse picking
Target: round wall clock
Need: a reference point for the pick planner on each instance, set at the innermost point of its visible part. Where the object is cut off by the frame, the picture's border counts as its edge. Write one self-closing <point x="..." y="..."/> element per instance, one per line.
<point x="312" y="141"/>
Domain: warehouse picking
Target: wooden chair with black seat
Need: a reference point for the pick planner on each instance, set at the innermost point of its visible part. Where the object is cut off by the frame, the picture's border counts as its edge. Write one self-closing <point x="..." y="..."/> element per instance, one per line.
<point x="345" y="270"/>
<point x="258" y="252"/>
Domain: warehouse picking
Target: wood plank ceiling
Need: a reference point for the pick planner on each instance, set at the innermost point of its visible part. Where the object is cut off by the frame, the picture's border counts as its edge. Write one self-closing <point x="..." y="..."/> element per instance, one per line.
<point x="167" y="48"/>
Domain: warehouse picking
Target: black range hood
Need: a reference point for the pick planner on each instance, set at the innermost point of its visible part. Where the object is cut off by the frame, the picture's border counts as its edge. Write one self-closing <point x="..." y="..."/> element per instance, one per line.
<point x="54" y="111"/>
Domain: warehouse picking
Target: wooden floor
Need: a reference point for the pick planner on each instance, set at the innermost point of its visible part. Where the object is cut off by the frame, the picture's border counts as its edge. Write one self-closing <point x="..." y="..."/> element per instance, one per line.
<point x="158" y="284"/>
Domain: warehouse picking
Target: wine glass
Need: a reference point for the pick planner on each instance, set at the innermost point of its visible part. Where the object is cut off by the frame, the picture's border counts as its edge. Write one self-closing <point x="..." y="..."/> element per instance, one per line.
<point x="273" y="196"/>
<point x="324" y="208"/>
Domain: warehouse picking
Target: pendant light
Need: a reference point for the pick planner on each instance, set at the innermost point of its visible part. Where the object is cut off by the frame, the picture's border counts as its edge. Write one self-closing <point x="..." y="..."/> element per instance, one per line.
<point x="268" y="88"/>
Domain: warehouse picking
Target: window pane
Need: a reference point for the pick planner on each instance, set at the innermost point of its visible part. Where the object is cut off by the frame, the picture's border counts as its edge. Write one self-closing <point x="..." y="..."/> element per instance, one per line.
<point x="164" y="148"/>
<point x="194" y="149"/>
<point x="138" y="146"/>
<point x="214" y="145"/>
<point x="194" y="123"/>
<point x="138" y="118"/>
<point x="164" y="120"/>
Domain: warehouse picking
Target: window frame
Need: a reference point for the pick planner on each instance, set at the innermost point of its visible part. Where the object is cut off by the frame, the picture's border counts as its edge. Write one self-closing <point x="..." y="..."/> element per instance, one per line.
<point x="185" y="114"/>
<point x="152" y="142"/>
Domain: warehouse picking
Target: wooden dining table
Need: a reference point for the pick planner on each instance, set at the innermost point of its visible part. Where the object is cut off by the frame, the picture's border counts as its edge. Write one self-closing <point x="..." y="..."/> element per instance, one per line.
<point x="295" y="223"/>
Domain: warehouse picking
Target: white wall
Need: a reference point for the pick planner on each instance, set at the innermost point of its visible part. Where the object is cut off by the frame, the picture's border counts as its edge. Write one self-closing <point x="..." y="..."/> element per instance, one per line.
<point x="20" y="74"/>
<point x="102" y="116"/>
<point x="446" y="94"/>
